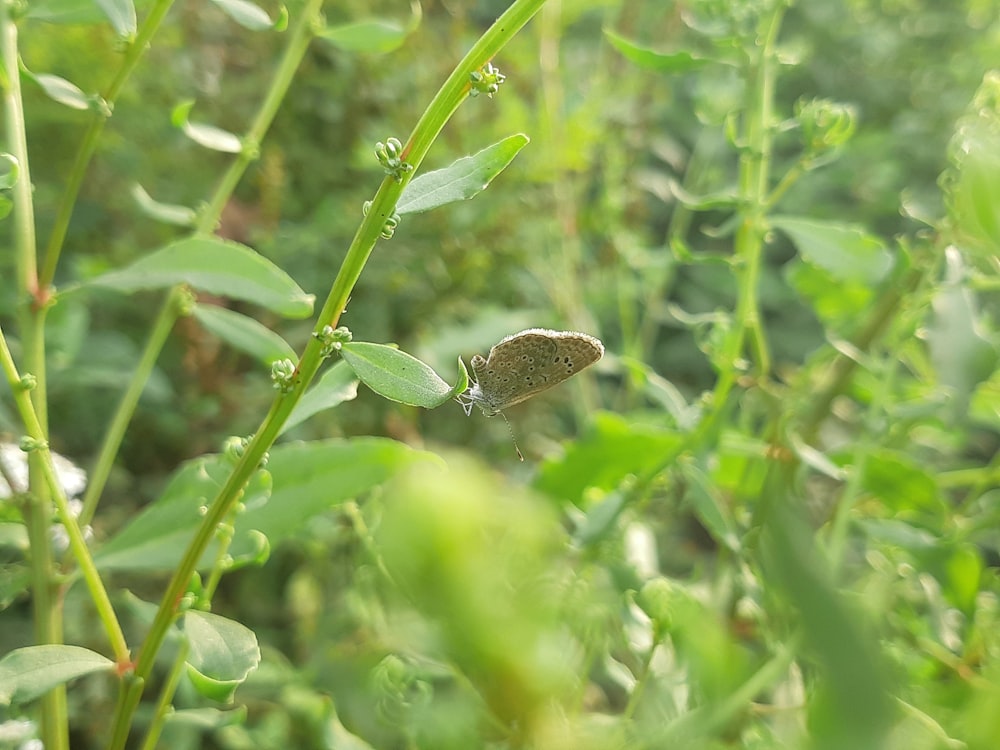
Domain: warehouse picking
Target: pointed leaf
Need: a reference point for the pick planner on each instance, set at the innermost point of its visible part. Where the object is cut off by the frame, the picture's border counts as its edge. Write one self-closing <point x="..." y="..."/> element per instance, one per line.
<point x="396" y="375"/>
<point x="121" y="14"/>
<point x="338" y="384"/>
<point x="62" y="91"/>
<point x="374" y="35"/>
<point x="166" y="212"/>
<point x="246" y="14"/>
<point x="846" y="252"/>
<point x="28" y="673"/>
<point x="644" y="57"/>
<point x="463" y="179"/>
<point x="244" y="333"/>
<point x="216" y="266"/>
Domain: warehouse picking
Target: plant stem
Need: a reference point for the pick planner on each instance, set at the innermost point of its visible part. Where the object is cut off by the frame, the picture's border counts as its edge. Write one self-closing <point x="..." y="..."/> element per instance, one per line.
<point x="54" y="723"/>
<point x="51" y="482"/>
<point x="446" y="101"/>
<point x="162" y="326"/>
<point x="88" y="145"/>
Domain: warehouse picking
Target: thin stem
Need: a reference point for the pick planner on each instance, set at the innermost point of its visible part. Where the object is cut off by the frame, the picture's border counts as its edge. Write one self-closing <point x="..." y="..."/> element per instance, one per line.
<point x="162" y="710"/>
<point x="88" y="145"/>
<point x="51" y="481"/>
<point x="38" y="510"/>
<point x="162" y="326"/>
<point x="444" y="104"/>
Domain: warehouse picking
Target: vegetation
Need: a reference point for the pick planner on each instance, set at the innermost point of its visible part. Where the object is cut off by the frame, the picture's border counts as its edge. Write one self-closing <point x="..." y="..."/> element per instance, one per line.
<point x="768" y="518"/>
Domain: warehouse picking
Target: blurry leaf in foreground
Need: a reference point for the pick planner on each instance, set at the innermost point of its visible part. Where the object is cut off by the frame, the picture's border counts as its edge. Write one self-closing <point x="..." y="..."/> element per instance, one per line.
<point x="851" y="705"/>
<point x="611" y="449"/>
<point x="477" y="559"/>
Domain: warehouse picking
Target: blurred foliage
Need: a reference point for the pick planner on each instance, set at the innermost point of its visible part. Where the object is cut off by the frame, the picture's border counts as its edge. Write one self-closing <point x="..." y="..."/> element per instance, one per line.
<point x="809" y="561"/>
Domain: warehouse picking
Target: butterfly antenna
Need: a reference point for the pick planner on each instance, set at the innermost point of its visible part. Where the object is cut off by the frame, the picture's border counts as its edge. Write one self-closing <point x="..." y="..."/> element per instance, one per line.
<point x="512" y="438"/>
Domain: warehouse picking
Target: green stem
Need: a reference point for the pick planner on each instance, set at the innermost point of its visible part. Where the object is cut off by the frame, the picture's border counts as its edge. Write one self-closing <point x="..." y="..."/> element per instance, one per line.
<point x="162" y="326"/>
<point x="77" y="544"/>
<point x="163" y="706"/>
<point x="207" y="220"/>
<point x="46" y="607"/>
<point x="452" y="93"/>
<point x="88" y="145"/>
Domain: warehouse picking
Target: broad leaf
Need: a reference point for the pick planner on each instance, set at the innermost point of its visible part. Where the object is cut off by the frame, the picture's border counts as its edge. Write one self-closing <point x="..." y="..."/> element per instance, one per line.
<point x="399" y="376"/>
<point x="216" y="266"/>
<point x="28" y="673"/>
<point x="303" y="480"/>
<point x="610" y="450"/>
<point x="846" y="252"/>
<point x="462" y="180"/>
<point x="244" y="333"/>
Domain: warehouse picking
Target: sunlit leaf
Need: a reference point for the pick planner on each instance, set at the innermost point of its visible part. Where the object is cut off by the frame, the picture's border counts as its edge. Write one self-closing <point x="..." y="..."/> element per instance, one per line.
<point x="216" y="266"/>
<point x="399" y="376"/>
<point x="28" y="673"/>
<point x="462" y="180"/>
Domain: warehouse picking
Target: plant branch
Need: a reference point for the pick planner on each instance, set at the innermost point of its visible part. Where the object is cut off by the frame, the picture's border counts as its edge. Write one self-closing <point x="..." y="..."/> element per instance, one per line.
<point x="88" y="145"/>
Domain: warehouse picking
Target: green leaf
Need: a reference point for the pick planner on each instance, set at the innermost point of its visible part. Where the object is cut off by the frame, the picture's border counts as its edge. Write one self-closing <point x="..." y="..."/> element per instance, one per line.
<point x="310" y="478"/>
<point x="28" y="673"/>
<point x="76" y="12"/>
<point x="709" y="507"/>
<point x="206" y="719"/>
<point x="399" y="376"/>
<point x="168" y="213"/>
<point x="246" y="14"/>
<point x="11" y="171"/>
<point x="847" y="253"/>
<point x="244" y="333"/>
<point x="223" y="652"/>
<point x="216" y="266"/>
<point x="338" y="384"/>
<point x="463" y="179"/>
<point x="962" y="356"/>
<point x="303" y="480"/>
<point x="121" y="14"/>
<point x="644" y="57"/>
<point x="155" y="539"/>
<point x="60" y="90"/>
<point x="611" y="449"/>
<point x="374" y="35"/>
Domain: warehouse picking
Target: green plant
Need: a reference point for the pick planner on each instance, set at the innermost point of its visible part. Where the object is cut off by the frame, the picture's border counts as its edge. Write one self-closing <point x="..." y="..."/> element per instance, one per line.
<point x="782" y="533"/>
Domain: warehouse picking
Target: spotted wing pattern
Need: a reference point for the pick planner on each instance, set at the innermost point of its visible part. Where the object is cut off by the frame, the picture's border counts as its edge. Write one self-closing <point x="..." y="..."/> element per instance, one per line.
<point x="527" y="363"/>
